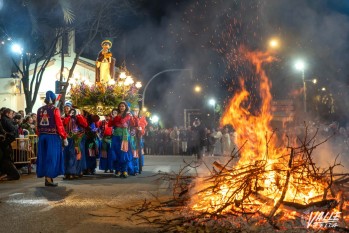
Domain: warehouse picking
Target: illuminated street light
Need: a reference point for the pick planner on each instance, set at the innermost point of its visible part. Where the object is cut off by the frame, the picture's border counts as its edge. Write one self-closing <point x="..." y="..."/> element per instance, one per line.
<point x="274" y="43"/>
<point x="197" y="89"/>
<point x="154" y="119"/>
<point x="323" y="89"/>
<point x="300" y="66"/>
<point x="212" y="102"/>
<point x="16" y="48"/>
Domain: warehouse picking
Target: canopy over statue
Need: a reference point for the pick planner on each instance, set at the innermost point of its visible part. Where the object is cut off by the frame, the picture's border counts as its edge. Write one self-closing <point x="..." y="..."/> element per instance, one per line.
<point x="105" y="63"/>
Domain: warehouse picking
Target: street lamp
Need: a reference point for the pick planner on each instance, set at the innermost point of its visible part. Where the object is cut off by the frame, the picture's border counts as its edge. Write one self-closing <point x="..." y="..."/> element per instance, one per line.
<point x="212" y="102"/>
<point x="300" y="66"/>
<point x="16" y="48"/>
<point x="154" y="120"/>
<point x="197" y="89"/>
<point x="274" y="43"/>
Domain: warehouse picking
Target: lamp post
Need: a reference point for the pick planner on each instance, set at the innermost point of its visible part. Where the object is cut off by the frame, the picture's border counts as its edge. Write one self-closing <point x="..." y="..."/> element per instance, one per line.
<point x="156" y="75"/>
<point x="300" y="67"/>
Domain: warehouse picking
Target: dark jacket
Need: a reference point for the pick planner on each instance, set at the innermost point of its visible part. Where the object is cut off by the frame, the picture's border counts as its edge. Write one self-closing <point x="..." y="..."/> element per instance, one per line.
<point x="10" y="128"/>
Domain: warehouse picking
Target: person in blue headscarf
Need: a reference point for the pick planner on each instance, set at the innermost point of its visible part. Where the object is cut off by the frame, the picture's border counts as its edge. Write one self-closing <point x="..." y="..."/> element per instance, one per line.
<point x="50" y="161"/>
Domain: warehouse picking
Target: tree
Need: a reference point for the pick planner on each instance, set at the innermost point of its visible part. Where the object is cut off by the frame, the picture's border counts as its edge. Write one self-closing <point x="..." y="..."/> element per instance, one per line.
<point x="39" y="61"/>
<point x="36" y="30"/>
<point x="41" y="25"/>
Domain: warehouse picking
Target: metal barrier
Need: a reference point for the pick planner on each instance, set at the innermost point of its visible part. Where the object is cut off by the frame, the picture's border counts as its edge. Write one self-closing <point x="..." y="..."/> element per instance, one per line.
<point x="33" y="139"/>
<point x="24" y="151"/>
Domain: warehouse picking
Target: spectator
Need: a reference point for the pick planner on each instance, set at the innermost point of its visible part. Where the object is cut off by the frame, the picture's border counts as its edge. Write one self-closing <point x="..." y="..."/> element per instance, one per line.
<point x="210" y="142"/>
<point x="226" y="142"/>
<point x="217" y="135"/>
<point x="8" y="123"/>
<point x="8" y="171"/>
<point x="28" y="125"/>
<point x="34" y="116"/>
<point x="200" y="132"/>
<point x="183" y="137"/>
<point x="18" y="120"/>
<point x="174" y="135"/>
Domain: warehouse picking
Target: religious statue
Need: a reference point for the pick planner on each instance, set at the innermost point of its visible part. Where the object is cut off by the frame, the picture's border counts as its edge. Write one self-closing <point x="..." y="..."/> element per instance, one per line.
<point x="105" y="63"/>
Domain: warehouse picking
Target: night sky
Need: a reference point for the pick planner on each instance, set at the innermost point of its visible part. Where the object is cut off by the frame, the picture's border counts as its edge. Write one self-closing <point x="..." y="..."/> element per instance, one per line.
<point x="205" y="36"/>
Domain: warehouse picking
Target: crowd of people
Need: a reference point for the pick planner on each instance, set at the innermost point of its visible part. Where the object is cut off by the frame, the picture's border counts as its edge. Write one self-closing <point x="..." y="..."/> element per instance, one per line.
<point x="70" y="144"/>
<point x="193" y="140"/>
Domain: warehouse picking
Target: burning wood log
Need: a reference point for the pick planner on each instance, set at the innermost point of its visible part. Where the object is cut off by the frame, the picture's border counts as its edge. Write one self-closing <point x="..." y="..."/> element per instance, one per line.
<point x="324" y="205"/>
<point x="277" y="205"/>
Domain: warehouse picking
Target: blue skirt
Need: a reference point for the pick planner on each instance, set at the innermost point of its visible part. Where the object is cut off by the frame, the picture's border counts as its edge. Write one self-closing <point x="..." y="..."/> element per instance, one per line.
<point x="122" y="158"/>
<point x="81" y="164"/>
<point x="106" y="163"/>
<point x="50" y="161"/>
<point x="70" y="162"/>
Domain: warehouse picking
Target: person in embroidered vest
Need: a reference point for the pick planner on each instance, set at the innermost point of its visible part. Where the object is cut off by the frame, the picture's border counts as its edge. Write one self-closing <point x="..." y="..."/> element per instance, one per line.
<point x="74" y="124"/>
<point x="50" y="161"/>
<point x="105" y="63"/>
<point x="121" y="140"/>
<point x="105" y="132"/>
<point x="138" y="124"/>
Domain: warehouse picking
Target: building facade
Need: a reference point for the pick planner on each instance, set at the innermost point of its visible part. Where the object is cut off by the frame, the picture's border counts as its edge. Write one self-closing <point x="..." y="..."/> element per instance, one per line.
<point x="11" y="89"/>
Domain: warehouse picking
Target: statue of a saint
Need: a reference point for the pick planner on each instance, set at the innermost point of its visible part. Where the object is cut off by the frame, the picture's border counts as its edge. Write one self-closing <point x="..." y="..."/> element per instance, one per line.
<point x="105" y="63"/>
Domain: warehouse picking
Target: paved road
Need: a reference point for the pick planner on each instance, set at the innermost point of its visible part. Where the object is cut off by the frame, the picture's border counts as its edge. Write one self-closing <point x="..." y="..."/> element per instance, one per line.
<point x="91" y="204"/>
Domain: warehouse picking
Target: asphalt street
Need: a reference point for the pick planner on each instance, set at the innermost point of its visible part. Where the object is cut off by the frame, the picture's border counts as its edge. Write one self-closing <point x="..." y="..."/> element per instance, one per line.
<point x="99" y="203"/>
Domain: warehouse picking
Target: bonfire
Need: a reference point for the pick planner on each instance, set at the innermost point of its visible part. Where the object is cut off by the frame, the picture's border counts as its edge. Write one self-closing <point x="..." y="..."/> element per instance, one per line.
<point x="269" y="183"/>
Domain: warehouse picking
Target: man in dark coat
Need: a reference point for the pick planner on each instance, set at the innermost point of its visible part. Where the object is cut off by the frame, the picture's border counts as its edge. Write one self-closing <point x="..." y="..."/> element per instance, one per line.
<point x="200" y="132"/>
<point x="8" y="170"/>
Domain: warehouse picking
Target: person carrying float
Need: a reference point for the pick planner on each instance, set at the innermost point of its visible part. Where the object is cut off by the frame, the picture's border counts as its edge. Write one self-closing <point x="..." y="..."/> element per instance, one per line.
<point x="121" y="140"/>
<point x="138" y="124"/>
<point x="50" y="160"/>
<point x="106" y="161"/>
<point x="74" y="124"/>
<point x="89" y="145"/>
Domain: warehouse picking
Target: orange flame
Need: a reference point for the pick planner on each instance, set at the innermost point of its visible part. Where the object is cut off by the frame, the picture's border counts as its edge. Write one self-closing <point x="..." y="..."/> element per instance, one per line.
<point x="258" y="150"/>
<point x="253" y="130"/>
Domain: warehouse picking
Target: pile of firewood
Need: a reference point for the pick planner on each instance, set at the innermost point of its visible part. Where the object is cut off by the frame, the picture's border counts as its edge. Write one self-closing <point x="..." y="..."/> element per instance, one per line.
<point x="245" y="207"/>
